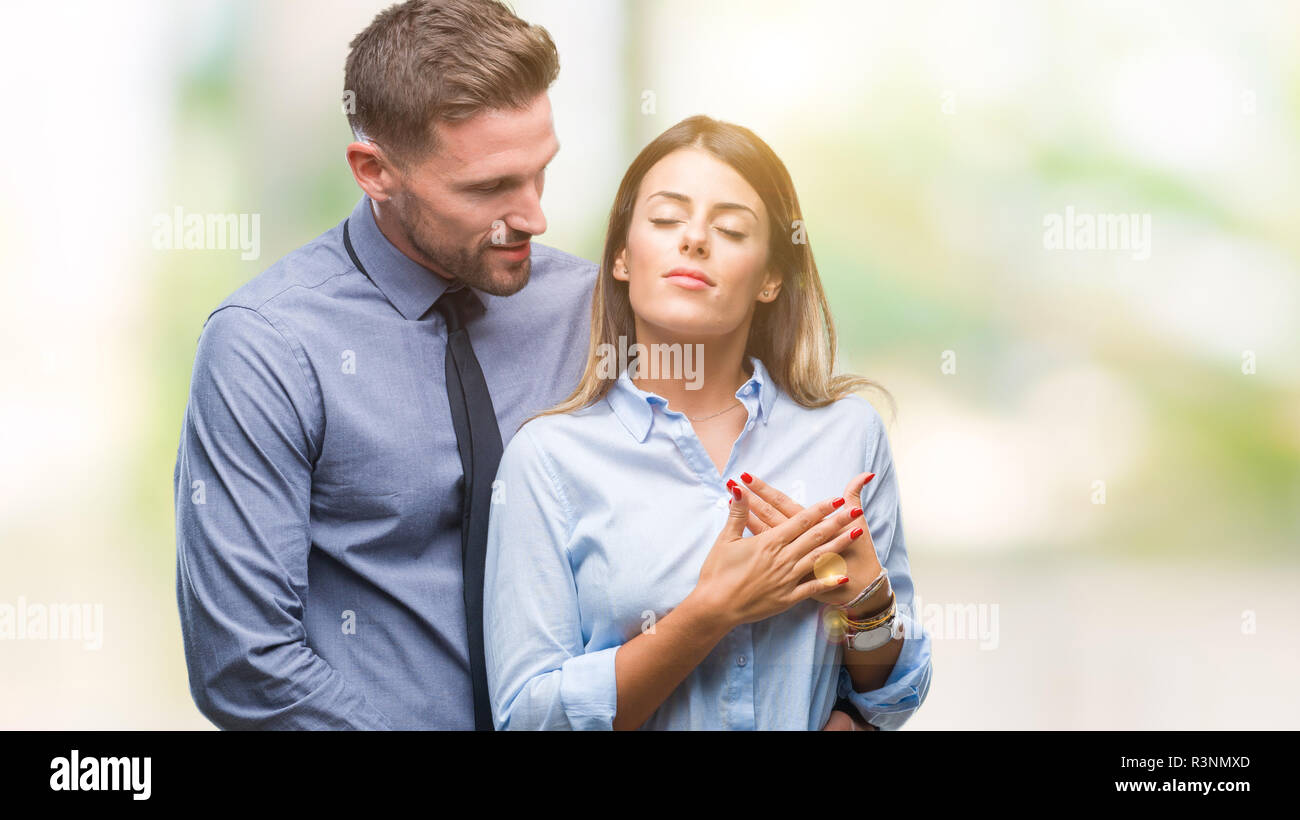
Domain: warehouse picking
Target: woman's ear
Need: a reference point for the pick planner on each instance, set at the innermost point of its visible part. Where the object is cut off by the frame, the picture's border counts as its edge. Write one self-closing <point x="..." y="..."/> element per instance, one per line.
<point x="771" y="287"/>
<point x="620" y="266"/>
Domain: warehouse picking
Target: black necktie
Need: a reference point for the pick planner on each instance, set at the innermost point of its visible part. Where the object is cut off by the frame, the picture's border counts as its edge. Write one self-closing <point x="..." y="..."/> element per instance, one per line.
<point x="479" y="441"/>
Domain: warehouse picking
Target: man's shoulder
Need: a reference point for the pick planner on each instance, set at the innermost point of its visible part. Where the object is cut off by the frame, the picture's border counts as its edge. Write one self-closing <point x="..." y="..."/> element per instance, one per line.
<point x="561" y="270"/>
<point x="554" y="258"/>
<point x="558" y="296"/>
<point x="304" y="268"/>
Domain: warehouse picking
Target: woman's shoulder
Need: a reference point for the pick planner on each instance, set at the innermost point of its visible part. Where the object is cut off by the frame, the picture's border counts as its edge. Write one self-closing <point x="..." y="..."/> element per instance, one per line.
<point x="869" y="428"/>
<point x="560" y="432"/>
<point x="862" y="411"/>
<point x="850" y="426"/>
<point x="850" y="411"/>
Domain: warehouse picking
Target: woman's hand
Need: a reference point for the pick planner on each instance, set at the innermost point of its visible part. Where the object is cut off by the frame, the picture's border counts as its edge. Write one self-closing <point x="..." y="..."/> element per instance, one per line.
<point x="769" y="507"/>
<point x="747" y="579"/>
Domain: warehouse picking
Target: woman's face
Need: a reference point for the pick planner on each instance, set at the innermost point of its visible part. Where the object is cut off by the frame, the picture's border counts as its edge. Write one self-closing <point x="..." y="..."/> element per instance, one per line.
<point x="697" y="248"/>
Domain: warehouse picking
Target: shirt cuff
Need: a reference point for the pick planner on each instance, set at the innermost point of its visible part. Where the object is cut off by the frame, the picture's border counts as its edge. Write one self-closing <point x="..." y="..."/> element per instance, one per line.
<point x="889" y="707"/>
<point x="589" y="690"/>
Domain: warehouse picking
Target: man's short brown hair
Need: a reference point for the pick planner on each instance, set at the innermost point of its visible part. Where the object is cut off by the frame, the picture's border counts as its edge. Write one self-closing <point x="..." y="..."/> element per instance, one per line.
<point x="426" y="61"/>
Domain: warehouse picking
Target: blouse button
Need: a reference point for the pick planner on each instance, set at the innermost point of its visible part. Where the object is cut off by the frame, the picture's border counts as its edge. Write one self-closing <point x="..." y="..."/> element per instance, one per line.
<point x="741" y="661"/>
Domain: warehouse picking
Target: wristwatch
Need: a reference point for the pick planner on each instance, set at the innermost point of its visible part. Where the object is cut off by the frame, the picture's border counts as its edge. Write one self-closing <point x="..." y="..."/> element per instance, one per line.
<point x="877" y="636"/>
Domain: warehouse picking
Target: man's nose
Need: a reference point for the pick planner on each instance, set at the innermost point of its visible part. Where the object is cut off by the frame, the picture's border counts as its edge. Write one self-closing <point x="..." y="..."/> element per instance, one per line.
<point x="526" y="216"/>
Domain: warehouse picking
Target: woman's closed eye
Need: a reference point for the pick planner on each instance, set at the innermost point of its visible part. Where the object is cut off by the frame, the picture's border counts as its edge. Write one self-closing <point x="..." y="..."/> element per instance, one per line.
<point x="727" y="232"/>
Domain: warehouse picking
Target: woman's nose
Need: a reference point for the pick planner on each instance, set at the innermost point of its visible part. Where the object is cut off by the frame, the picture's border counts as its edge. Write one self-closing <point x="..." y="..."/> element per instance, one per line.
<point x="695" y="242"/>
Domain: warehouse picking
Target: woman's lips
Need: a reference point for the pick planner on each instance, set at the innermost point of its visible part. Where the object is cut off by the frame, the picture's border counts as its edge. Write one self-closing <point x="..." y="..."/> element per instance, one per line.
<point x="689" y="278"/>
<point x="688" y="282"/>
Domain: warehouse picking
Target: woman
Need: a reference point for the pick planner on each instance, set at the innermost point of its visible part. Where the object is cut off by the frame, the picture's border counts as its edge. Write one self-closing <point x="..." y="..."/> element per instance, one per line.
<point x="611" y="599"/>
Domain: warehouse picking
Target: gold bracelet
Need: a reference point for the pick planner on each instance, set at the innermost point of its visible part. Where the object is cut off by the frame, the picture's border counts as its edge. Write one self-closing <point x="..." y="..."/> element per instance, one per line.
<point x="875" y="620"/>
<point x="882" y="578"/>
<point x="889" y="601"/>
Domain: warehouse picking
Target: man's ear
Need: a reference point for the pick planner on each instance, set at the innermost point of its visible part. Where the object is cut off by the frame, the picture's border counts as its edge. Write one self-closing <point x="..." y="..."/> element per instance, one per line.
<point x="372" y="170"/>
<point x="620" y="266"/>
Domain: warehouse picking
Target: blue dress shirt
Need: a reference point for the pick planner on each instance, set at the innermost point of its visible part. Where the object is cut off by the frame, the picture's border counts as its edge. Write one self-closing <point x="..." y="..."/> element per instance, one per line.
<point x="603" y="519"/>
<point x="318" y="483"/>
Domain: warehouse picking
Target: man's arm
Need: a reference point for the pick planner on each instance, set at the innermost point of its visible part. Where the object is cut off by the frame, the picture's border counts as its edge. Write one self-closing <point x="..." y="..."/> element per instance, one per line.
<point x="243" y="494"/>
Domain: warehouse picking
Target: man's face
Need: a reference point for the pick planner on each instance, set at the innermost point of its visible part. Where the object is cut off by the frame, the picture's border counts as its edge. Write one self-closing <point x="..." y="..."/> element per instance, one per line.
<point x="471" y="206"/>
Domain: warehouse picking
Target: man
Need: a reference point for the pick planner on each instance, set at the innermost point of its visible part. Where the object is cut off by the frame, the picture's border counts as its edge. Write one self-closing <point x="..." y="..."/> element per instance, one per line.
<point x="332" y="433"/>
<point x="339" y="428"/>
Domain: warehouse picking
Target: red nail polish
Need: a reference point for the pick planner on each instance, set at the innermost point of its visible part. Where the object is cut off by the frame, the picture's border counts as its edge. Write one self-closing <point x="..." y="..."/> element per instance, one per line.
<point x="868" y="481"/>
<point x="746" y="477"/>
<point x="855" y="533"/>
<point x="837" y="503"/>
<point x="855" y="513"/>
<point x="729" y="501"/>
<point x="731" y="482"/>
<point x="736" y="492"/>
<point x="844" y="579"/>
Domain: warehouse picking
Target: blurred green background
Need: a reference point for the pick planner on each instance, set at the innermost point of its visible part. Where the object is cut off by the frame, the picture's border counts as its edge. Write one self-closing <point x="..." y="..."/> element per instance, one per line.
<point x="929" y="142"/>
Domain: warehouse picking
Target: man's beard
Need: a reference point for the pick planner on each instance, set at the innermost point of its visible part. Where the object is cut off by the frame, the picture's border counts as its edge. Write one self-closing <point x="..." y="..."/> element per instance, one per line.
<point x="470" y="267"/>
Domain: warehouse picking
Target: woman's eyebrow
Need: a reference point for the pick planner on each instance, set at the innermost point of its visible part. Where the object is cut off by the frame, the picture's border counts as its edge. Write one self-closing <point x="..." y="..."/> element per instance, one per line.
<point x="720" y="206"/>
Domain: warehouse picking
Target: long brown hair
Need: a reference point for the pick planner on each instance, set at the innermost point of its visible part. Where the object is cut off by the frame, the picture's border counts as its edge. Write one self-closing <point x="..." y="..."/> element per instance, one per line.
<point x="793" y="336"/>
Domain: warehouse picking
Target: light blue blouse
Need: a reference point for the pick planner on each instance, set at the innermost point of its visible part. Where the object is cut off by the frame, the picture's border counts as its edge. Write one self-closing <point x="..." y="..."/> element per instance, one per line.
<point x="600" y="522"/>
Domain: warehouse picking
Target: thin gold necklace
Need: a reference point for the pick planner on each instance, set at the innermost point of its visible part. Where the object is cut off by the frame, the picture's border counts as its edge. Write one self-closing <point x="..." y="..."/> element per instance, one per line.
<point x="719" y="413"/>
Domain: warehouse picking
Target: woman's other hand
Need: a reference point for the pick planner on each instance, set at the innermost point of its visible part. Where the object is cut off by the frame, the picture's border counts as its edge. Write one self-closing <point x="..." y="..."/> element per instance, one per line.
<point x="746" y="579"/>
<point x="769" y="507"/>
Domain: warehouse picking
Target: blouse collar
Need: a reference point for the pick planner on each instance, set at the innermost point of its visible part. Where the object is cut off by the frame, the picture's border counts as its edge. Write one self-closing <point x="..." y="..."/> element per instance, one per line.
<point x="635" y="407"/>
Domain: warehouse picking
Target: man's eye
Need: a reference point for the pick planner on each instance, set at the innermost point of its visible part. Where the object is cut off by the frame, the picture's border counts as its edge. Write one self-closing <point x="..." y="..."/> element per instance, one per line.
<point x="487" y="189"/>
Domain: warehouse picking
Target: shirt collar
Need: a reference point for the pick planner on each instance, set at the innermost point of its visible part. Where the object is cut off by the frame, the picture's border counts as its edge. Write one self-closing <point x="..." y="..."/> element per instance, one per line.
<point x="635" y="407"/>
<point x="408" y="285"/>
